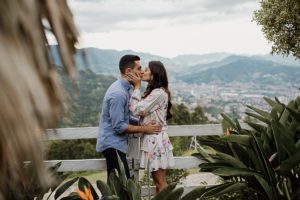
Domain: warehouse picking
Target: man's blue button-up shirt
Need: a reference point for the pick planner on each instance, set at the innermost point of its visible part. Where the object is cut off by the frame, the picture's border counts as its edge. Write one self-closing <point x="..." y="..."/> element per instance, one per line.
<point x="114" y="118"/>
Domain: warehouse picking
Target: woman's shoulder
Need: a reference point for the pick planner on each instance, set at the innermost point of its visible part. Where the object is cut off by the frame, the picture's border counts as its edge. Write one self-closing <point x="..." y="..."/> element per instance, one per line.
<point x="159" y="92"/>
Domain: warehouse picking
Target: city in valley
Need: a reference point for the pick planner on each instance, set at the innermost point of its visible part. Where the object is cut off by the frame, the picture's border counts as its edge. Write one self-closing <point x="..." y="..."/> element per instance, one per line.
<point x="230" y="98"/>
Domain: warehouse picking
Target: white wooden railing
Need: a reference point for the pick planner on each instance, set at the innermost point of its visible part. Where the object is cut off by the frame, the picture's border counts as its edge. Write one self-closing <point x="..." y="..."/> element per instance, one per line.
<point x="186" y="162"/>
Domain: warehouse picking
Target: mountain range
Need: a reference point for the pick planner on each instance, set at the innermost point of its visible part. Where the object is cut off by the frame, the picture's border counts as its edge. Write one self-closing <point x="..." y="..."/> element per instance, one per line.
<point x="246" y="70"/>
<point x="206" y="68"/>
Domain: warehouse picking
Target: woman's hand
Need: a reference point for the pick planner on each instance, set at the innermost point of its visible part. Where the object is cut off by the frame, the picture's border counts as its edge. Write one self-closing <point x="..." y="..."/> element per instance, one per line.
<point x="134" y="80"/>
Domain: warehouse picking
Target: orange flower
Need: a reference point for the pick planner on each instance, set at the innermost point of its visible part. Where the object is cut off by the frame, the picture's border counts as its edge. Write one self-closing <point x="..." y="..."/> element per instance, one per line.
<point x="86" y="195"/>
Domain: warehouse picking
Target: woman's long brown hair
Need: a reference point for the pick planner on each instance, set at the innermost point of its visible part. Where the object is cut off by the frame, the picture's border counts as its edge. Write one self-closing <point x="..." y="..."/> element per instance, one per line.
<point x="159" y="80"/>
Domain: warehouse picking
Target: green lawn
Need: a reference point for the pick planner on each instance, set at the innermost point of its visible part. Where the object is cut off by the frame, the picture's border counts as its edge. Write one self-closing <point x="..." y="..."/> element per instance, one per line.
<point x="93" y="176"/>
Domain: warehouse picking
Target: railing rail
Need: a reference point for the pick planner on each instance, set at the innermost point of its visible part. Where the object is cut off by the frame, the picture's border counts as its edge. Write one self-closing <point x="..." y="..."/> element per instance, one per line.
<point x="186" y="162"/>
<point x="133" y="155"/>
<point x="92" y="132"/>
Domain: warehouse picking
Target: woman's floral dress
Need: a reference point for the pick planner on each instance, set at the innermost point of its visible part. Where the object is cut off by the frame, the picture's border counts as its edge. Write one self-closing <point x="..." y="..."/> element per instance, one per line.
<point x="155" y="148"/>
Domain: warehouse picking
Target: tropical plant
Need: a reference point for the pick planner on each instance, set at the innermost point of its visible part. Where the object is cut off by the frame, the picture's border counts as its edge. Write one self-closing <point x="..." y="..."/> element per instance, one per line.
<point x="118" y="187"/>
<point x="261" y="160"/>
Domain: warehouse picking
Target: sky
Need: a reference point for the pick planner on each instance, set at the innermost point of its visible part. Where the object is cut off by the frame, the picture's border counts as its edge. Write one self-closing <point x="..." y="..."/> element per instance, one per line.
<point x="170" y="27"/>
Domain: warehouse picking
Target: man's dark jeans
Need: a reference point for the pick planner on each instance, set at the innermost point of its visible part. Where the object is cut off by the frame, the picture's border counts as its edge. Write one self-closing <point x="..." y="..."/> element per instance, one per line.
<point x="112" y="161"/>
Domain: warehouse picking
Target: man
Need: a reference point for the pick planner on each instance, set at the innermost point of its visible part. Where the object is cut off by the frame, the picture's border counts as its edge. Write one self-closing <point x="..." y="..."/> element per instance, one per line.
<point x="115" y="120"/>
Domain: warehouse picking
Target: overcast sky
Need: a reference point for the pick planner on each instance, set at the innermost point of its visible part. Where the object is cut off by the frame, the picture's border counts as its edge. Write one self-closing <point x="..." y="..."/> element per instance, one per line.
<point x="170" y="27"/>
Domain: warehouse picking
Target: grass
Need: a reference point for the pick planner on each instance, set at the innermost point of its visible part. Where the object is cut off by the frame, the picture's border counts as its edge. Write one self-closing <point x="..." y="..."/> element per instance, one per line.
<point x="93" y="176"/>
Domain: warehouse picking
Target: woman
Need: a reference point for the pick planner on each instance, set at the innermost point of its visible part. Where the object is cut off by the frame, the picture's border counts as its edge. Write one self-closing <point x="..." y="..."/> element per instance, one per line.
<point x="154" y="108"/>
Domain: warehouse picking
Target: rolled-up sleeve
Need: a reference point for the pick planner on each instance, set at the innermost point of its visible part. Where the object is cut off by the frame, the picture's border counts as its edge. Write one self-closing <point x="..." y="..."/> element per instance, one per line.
<point x="133" y="120"/>
<point x="117" y="113"/>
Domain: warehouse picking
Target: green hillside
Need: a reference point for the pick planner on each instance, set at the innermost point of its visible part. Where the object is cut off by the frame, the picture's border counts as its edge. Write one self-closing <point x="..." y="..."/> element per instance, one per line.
<point x="85" y="101"/>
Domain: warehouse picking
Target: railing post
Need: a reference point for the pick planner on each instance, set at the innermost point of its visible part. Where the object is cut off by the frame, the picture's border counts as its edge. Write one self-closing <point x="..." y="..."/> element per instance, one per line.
<point x="134" y="154"/>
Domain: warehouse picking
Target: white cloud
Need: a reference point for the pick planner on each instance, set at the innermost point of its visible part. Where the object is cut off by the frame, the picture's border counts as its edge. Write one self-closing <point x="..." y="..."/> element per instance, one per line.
<point x="109" y="15"/>
<point x="170" y="27"/>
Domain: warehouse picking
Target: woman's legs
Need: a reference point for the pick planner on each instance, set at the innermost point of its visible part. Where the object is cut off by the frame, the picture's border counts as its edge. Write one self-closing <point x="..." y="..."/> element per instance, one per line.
<point x="159" y="178"/>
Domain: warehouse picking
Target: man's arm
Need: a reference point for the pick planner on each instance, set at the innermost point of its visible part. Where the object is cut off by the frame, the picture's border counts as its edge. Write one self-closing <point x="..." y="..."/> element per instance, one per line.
<point x="117" y="105"/>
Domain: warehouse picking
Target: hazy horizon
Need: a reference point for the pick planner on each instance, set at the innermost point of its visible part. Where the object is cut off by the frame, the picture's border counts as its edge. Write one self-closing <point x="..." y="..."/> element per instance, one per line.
<point x="191" y="54"/>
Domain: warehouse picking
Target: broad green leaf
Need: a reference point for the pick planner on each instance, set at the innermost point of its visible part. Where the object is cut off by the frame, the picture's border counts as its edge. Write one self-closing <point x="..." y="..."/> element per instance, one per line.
<point x="258" y="127"/>
<point x="294" y="113"/>
<point x="233" y="151"/>
<point x="256" y="160"/>
<point x="104" y="188"/>
<point x="240" y="139"/>
<point x="64" y="187"/>
<point x="267" y="168"/>
<point x="234" y="171"/>
<point x="274" y="115"/>
<point x="133" y="190"/>
<point x="114" y="183"/>
<point x="237" y="125"/>
<point x="290" y="163"/>
<point x="175" y="194"/>
<point x="162" y="194"/>
<point x="292" y="104"/>
<point x="278" y="143"/>
<point x="286" y="137"/>
<point x="268" y="142"/>
<point x="293" y="126"/>
<point x="213" y="166"/>
<point x="224" y="189"/>
<point x="271" y="102"/>
<point x="284" y="118"/>
<point x="194" y="194"/>
<point x="231" y="160"/>
<point x="266" y="186"/>
<point x="263" y="113"/>
<point x="260" y="118"/>
<point x="212" y="145"/>
<point x="228" y="120"/>
<point x="297" y="101"/>
<point x="204" y="155"/>
<point x="122" y="175"/>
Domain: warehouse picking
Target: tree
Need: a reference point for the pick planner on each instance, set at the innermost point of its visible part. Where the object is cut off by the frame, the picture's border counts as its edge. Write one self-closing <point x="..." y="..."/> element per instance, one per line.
<point x="198" y="116"/>
<point x="181" y="115"/>
<point x="280" y="20"/>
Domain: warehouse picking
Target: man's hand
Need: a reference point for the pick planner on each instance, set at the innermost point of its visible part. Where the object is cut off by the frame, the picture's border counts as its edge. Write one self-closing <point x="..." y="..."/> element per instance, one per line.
<point x="151" y="129"/>
<point x="134" y="80"/>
